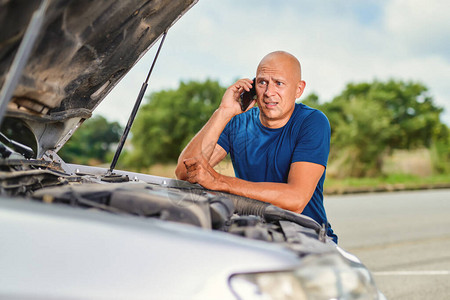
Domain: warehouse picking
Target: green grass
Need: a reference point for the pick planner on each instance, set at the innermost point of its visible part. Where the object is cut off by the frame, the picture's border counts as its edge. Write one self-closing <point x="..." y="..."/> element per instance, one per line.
<point x="387" y="183"/>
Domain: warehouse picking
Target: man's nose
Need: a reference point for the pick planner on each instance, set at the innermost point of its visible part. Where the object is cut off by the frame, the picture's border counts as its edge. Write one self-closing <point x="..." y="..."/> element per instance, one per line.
<point x="270" y="89"/>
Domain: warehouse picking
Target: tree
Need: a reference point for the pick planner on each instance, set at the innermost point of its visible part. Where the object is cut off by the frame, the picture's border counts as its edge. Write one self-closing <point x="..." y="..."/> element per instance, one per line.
<point x="361" y="131"/>
<point x="91" y="143"/>
<point x="413" y="111"/>
<point x="369" y="120"/>
<point x="312" y="100"/>
<point x="170" y="119"/>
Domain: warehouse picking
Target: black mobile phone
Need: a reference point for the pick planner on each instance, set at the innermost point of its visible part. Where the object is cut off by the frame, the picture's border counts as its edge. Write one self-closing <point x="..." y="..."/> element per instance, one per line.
<point x="247" y="97"/>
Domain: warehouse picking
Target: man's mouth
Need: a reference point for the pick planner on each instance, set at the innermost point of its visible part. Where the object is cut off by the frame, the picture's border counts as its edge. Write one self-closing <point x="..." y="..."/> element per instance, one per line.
<point x="270" y="104"/>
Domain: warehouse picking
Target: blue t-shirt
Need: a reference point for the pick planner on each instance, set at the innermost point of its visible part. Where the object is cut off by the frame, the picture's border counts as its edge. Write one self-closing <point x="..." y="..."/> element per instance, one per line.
<point x="262" y="154"/>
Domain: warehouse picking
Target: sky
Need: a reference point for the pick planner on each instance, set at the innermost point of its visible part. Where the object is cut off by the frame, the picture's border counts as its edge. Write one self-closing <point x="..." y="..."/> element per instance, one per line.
<point x="336" y="41"/>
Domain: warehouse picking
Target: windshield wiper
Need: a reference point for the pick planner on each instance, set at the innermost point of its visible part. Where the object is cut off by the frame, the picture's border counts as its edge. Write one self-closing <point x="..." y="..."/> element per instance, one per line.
<point x="134" y="111"/>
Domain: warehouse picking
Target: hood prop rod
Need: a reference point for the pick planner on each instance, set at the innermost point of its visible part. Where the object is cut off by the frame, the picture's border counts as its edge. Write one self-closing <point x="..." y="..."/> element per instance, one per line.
<point x="134" y="111"/>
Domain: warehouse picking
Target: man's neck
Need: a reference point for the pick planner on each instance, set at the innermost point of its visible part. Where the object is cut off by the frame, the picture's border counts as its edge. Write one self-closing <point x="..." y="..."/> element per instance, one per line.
<point x="274" y="123"/>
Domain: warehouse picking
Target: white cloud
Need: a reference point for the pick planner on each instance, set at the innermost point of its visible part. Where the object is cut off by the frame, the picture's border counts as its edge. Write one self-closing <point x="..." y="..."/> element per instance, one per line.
<point x="422" y="26"/>
<point x="336" y="42"/>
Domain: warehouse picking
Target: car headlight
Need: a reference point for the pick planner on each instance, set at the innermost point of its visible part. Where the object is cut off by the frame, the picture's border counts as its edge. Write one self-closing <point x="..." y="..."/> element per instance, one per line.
<point x="319" y="277"/>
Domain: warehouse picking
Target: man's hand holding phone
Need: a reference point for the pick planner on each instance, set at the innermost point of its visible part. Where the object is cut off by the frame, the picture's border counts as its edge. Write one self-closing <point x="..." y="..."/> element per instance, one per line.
<point x="247" y="97"/>
<point x="236" y="100"/>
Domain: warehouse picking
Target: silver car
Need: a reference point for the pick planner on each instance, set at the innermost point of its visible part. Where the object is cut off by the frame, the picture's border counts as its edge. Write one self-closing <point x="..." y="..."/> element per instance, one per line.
<point x="77" y="232"/>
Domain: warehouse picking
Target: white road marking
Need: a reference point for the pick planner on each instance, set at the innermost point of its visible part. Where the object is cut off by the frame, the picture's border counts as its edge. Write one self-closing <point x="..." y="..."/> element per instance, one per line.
<point x="413" y="273"/>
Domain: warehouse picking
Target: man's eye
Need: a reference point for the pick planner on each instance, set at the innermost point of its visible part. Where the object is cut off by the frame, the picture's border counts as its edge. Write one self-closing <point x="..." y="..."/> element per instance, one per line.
<point x="279" y="83"/>
<point x="262" y="82"/>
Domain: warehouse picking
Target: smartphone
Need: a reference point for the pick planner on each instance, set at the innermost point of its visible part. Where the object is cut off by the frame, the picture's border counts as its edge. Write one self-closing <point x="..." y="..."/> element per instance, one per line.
<point x="247" y="97"/>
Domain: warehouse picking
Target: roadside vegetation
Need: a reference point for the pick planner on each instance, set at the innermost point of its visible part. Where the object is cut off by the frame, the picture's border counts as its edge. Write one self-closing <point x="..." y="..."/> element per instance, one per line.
<point x="92" y="144"/>
<point x="385" y="135"/>
<point x="387" y="183"/>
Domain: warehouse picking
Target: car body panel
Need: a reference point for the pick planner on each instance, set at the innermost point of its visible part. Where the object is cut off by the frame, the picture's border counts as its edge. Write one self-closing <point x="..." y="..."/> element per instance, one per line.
<point x="56" y="251"/>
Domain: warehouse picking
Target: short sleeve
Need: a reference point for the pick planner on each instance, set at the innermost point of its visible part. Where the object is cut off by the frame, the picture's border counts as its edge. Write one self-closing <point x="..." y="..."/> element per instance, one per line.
<point x="224" y="138"/>
<point x="313" y="141"/>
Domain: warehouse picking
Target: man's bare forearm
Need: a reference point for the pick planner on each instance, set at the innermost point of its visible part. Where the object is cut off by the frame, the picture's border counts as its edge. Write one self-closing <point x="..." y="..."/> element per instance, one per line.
<point x="284" y="195"/>
<point x="293" y="195"/>
<point x="204" y="141"/>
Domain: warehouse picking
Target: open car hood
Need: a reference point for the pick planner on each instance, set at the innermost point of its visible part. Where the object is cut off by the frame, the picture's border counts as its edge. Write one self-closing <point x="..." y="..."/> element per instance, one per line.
<point x="81" y="52"/>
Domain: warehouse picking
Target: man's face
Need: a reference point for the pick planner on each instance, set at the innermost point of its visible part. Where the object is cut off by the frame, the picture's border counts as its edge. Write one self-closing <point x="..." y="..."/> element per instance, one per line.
<point x="277" y="86"/>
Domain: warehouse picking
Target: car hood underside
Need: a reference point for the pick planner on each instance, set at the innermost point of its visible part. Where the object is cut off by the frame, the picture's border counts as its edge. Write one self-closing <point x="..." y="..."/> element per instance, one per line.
<point x="81" y="52"/>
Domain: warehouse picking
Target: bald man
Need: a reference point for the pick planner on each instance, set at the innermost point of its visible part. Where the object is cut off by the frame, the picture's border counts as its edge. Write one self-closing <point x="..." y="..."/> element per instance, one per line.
<point x="279" y="149"/>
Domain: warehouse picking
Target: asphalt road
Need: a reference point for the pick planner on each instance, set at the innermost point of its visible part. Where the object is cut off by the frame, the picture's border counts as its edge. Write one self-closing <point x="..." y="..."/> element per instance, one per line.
<point x="402" y="237"/>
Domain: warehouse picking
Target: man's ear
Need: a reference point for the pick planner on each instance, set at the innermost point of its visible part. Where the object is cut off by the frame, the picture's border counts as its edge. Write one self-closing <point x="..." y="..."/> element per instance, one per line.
<point x="300" y="88"/>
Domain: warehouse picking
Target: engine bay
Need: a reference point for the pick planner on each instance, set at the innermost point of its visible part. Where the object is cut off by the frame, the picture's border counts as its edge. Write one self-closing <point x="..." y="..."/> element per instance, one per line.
<point x="171" y="200"/>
